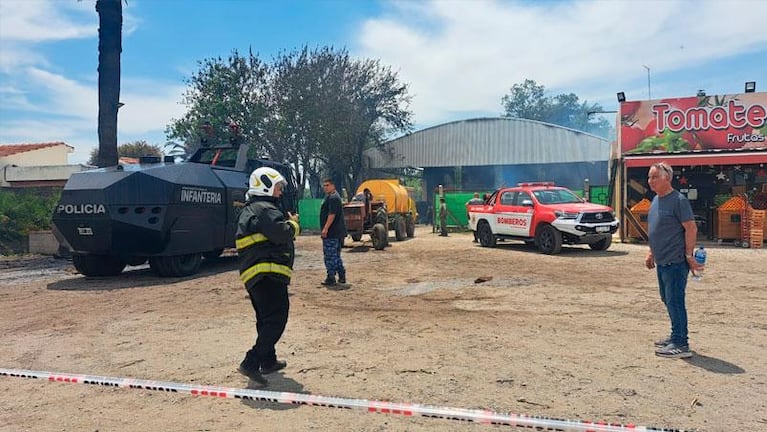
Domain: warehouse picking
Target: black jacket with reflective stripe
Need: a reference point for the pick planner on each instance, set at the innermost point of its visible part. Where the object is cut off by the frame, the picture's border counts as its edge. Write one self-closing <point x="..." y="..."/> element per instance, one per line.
<point x="265" y="242"/>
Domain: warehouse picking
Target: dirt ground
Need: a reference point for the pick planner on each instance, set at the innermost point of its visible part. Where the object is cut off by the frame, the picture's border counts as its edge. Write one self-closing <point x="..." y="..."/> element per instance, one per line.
<point x="564" y="336"/>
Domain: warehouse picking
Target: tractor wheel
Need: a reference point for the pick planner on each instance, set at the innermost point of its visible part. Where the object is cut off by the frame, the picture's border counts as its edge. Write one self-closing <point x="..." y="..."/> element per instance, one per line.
<point x="410" y="226"/>
<point x="356" y="236"/>
<point x="378" y="236"/>
<point x="602" y="244"/>
<point x="400" y="228"/>
<point x="382" y="218"/>
<point x="549" y="240"/>
<point x="176" y="265"/>
<point x="485" y="234"/>
<point x="98" y="265"/>
<point x="211" y="255"/>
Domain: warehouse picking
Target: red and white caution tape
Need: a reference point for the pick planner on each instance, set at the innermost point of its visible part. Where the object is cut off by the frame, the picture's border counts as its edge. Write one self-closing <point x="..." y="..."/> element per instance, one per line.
<point x="459" y="414"/>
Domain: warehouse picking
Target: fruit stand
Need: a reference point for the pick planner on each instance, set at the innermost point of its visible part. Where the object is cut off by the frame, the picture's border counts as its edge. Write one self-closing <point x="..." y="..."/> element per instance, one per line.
<point x="740" y="221"/>
<point x="639" y="210"/>
<point x="728" y="219"/>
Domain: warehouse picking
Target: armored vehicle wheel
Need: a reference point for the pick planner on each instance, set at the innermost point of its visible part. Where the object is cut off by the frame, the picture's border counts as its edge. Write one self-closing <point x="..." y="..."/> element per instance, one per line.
<point x="211" y="255"/>
<point x="602" y="244"/>
<point x="549" y="240"/>
<point x="410" y="226"/>
<point x="400" y="228"/>
<point x="485" y="234"/>
<point x="98" y="265"/>
<point x="176" y="265"/>
<point x="378" y="236"/>
<point x="135" y="260"/>
<point x="356" y="237"/>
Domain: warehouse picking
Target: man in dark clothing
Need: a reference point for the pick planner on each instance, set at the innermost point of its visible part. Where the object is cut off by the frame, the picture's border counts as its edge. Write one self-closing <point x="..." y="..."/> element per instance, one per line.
<point x="266" y="253"/>
<point x="474" y="201"/>
<point x="333" y="233"/>
<point x="672" y="234"/>
<point x="442" y="217"/>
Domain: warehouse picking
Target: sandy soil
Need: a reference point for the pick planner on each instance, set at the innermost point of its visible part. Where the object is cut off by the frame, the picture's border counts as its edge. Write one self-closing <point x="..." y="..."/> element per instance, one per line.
<point x="565" y="336"/>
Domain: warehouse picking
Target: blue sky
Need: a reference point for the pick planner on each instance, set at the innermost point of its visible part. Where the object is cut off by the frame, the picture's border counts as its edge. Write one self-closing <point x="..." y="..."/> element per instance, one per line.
<point x="459" y="57"/>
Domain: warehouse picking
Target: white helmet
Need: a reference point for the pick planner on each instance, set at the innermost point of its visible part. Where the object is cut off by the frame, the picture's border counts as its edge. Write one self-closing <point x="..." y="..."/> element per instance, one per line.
<point x="262" y="182"/>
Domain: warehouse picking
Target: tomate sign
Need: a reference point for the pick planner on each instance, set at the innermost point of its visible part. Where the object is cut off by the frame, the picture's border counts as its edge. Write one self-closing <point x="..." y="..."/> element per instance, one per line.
<point x="694" y="123"/>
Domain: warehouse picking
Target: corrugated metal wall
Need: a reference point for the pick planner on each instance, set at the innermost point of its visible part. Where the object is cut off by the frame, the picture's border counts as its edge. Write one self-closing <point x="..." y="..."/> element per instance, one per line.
<point x="490" y="141"/>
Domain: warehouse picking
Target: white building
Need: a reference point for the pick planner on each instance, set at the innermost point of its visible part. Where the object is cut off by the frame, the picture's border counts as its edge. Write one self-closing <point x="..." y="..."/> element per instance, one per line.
<point x="36" y="165"/>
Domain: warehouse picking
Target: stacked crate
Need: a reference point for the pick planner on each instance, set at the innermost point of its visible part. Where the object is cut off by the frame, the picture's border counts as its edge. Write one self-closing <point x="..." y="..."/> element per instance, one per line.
<point x="756" y="225"/>
<point x="745" y="226"/>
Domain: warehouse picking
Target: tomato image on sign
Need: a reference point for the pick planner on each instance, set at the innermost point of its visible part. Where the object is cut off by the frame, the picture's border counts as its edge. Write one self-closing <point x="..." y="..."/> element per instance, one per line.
<point x="696" y="123"/>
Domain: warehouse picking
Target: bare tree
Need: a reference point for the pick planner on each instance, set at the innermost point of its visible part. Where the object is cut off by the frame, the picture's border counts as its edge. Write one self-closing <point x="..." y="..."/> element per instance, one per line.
<point x="110" y="48"/>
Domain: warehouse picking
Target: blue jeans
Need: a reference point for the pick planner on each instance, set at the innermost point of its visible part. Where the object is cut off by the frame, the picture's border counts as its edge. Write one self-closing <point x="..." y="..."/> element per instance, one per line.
<point x="672" y="280"/>
<point x="331" y="249"/>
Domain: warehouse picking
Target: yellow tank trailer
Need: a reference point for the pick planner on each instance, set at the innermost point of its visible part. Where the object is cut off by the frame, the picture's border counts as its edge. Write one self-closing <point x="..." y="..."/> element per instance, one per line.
<point x="380" y="205"/>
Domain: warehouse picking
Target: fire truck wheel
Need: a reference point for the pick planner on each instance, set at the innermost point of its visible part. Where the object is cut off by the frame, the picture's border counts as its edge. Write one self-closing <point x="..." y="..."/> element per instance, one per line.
<point x="485" y="234"/>
<point x="602" y="244"/>
<point x="549" y="240"/>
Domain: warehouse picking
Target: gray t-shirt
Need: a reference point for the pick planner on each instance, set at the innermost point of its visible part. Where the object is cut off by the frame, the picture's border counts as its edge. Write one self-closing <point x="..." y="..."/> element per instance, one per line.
<point x="664" y="223"/>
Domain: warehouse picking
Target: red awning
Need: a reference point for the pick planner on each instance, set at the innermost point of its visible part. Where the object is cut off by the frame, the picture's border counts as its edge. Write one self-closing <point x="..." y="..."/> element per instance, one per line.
<point x="698" y="159"/>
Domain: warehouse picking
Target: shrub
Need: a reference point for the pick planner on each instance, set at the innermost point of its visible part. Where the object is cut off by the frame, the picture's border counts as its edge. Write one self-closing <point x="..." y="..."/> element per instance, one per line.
<point x="22" y="212"/>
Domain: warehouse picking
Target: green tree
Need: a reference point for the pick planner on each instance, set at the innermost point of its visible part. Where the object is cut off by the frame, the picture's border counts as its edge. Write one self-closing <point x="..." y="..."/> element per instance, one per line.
<point x="135" y="149"/>
<point x="328" y="108"/>
<point x="222" y="92"/>
<point x="370" y="107"/>
<point x="528" y="100"/>
<point x="110" y="48"/>
<point x="317" y="110"/>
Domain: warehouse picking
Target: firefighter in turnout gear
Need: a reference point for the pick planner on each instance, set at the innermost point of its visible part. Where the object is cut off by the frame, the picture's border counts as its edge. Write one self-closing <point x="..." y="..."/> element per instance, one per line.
<point x="266" y="253"/>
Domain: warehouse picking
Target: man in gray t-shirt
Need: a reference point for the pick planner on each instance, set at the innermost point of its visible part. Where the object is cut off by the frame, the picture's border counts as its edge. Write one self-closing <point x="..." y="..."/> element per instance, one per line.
<point x="672" y="233"/>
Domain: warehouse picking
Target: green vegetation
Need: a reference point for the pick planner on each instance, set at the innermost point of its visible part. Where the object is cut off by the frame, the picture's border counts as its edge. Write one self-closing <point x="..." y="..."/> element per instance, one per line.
<point x="666" y="142"/>
<point x="528" y="100"/>
<point x="135" y="149"/>
<point x="315" y="109"/>
<point x="22" y="212"/>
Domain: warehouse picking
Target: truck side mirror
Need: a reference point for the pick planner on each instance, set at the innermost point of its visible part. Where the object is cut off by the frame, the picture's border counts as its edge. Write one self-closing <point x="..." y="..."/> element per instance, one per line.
<point x="527" y="203"/>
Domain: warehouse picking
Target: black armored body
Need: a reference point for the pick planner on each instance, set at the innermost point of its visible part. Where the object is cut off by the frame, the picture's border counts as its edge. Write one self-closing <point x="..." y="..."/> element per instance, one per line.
<point x="170" y="214"/>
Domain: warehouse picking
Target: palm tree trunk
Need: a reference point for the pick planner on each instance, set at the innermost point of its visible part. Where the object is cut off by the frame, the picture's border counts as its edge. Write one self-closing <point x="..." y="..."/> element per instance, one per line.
<point x="110" y="48"/>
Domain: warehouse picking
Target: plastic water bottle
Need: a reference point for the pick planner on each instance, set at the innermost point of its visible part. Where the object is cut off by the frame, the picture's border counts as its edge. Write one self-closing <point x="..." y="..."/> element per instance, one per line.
<point x="700" y="258"/>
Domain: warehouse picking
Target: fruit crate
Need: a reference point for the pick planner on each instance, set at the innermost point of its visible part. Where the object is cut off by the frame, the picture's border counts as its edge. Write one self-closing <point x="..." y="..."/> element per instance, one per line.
<point x="757" y="219"/>
<point x="745" y="224"/>
<point x="757" y="239"/>
<point x="640" y="211"/>
<point x="756" y="224"/>
<point x="728" y="219"/>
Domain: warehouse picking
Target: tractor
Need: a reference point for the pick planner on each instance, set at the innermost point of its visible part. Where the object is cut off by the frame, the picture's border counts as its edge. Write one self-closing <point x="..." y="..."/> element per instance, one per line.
<point x="363" y="215"/>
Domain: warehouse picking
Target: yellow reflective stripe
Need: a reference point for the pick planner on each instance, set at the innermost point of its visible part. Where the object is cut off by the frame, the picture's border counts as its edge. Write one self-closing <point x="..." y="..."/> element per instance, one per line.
<point x="265" y="268"/>
<point x="250" y="240"/>
<point x="296" y="228"/>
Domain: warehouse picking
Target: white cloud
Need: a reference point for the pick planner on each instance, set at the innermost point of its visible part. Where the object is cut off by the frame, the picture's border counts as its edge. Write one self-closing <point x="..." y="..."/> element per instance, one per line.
<point x="46" y="20"/>
<point x="149" y="106"/>
<point x="40" y="104"/>
<point x="461" y="56"/>
<point x="70" y="112"/>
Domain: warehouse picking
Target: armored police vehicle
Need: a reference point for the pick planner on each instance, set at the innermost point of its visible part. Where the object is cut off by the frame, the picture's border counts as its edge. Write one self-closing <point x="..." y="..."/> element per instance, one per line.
<point x="170" y="214"/>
